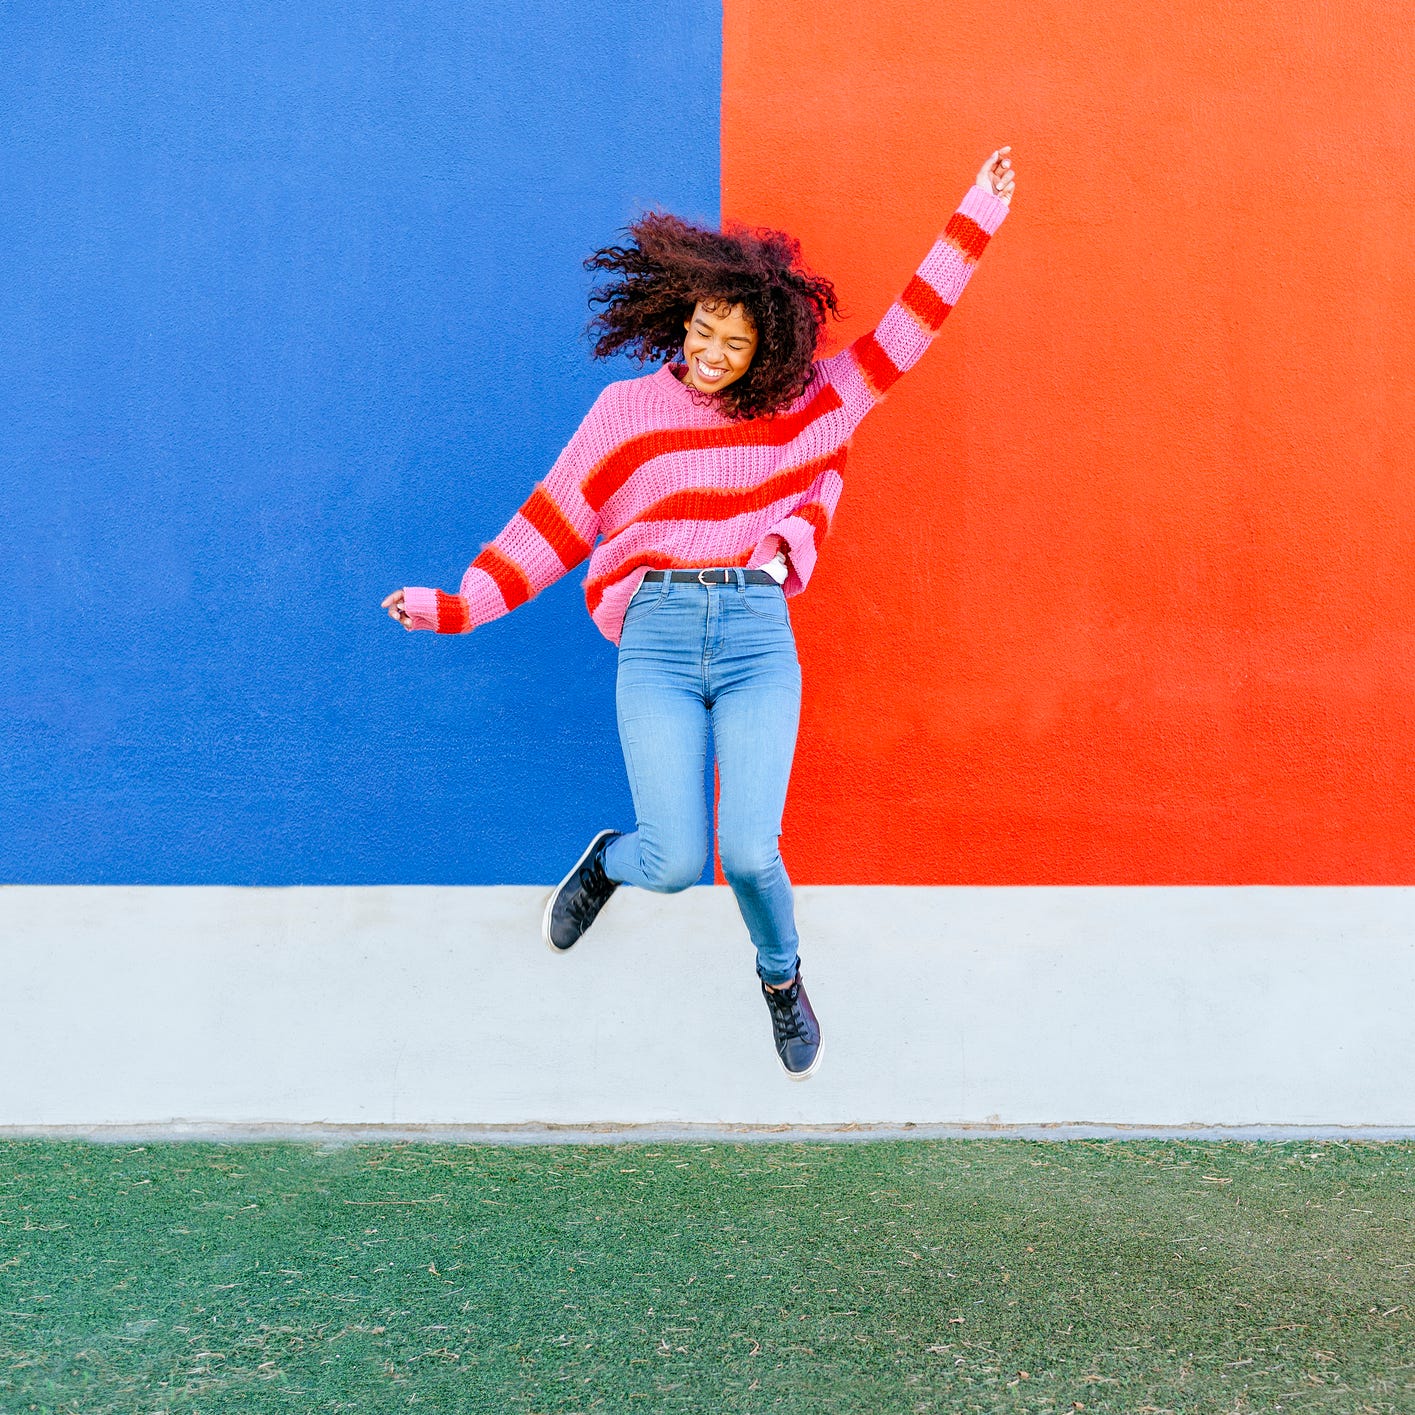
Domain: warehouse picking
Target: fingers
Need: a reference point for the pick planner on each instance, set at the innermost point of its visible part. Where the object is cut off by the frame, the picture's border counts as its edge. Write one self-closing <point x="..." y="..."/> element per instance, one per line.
<point x="996" y="175"/>
<point x="999" y="170"/>
<point x="393" y="603"/>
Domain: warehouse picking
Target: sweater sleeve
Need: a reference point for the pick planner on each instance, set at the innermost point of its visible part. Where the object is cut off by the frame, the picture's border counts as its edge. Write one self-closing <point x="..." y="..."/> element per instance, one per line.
<point x="865" y="371"/>
<point x="551" y="533"/>
<point x="802" y="531"/>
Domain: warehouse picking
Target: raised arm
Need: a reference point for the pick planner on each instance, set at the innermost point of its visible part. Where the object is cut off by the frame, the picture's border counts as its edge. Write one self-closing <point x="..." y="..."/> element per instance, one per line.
<point x="866" y="370"/>
<point x="552" y="533"/>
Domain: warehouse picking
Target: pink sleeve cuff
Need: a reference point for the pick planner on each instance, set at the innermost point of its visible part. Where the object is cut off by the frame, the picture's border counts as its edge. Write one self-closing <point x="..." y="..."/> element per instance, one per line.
<point x="421" y="605"/>
<point x="981" y="206"/>
<point x="800" y="538"/>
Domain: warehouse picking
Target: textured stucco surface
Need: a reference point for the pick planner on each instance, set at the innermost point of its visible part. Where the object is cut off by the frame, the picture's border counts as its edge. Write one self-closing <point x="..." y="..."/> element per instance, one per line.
<point x="1122" y="584"/>
<point x="292" y="307"/>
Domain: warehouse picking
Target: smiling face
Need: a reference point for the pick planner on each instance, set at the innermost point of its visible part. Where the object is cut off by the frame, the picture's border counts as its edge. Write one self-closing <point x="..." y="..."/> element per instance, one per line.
<point x="718" y="346"/>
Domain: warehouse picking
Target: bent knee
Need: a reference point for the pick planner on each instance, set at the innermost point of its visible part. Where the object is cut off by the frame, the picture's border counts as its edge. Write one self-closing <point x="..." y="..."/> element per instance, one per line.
<point x="671" y="876"/>
<point x="751" y="863"/>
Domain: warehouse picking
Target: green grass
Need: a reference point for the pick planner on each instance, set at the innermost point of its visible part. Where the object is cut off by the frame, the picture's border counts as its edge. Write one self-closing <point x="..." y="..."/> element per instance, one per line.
<point x="951" y="1276"/>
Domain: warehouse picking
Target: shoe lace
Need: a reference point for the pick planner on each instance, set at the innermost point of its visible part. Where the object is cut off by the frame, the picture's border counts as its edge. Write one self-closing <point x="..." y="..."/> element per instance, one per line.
<point x="595" y="888"/>
<point x="787" y="1014"/>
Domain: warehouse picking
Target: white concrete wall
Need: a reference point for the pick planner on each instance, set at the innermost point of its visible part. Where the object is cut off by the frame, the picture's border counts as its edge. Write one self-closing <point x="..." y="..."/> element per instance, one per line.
<point x="410" y="1005"/>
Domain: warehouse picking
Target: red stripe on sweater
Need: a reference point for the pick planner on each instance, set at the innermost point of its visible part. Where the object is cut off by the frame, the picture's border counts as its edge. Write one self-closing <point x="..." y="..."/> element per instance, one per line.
<point x="966" y="234"/>
<point x="510" y="578"/>
<point x="653" y="560"/>
<point x="875" y="364"/>
<point x="542" y="512"/>
<point x="819" y="520"/>
<point x="713" y="504"/>
<point x="923" y="302"/>
<point x="612" y="471"/>
<point x="453" y="613"/>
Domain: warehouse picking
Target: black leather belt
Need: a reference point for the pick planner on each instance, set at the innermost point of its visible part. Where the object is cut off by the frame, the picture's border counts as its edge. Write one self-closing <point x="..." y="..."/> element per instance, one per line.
<point x="710" y="577"/>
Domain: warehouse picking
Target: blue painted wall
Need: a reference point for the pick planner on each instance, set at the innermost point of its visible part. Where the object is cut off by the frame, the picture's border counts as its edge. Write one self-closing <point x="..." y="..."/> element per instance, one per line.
<point x="292" y="309"/>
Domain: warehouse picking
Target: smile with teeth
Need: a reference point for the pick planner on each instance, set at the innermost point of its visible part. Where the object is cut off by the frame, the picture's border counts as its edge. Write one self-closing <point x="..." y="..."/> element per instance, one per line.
<point x="709" y="373"/>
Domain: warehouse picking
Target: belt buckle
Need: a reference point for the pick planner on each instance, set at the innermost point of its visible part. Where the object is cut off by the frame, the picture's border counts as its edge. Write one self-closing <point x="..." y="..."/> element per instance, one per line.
<point x="704" y="582"/>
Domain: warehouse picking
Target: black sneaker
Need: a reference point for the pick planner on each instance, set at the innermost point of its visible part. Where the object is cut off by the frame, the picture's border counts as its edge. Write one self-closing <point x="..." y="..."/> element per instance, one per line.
<point x="579" y="897"/>
<point x="798" y="1034"/>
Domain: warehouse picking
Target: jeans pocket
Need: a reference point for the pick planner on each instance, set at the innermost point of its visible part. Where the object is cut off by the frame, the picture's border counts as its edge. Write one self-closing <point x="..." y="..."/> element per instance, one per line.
<point x="646" y="599"/>
<point x="766" y="602"/>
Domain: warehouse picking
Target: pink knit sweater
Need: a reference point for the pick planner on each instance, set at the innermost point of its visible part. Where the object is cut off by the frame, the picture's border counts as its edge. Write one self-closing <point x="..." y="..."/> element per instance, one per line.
<point x="654" y="478"/>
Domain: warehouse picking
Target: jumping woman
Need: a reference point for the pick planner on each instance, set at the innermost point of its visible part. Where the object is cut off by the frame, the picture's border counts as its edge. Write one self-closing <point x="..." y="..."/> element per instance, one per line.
<point x="701" y="493"/>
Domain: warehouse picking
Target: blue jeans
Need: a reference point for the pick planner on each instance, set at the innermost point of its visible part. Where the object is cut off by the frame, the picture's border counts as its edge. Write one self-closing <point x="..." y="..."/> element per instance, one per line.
<point x="691" y="655"/>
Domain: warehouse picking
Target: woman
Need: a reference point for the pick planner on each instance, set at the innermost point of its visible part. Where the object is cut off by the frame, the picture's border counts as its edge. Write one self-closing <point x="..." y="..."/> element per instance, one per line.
<point x="701" y="494"/>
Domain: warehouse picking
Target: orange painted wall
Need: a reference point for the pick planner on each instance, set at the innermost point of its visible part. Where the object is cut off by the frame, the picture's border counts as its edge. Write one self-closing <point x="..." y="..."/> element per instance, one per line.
<point x="1120" y="589"/>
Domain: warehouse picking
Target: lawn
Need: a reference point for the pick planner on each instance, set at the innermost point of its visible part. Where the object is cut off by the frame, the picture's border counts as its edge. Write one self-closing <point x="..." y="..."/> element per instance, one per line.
<point x="922" y="1276"/>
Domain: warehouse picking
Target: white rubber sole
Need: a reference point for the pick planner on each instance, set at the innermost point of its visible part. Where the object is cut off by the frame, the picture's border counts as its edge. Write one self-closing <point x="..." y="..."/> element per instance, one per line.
<point x="555" y="893"/>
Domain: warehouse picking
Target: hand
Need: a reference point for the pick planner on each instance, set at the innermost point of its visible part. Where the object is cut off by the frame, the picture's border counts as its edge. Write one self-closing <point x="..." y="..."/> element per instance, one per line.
<point x="394" y="605"/>
<point x="995" y="175"/>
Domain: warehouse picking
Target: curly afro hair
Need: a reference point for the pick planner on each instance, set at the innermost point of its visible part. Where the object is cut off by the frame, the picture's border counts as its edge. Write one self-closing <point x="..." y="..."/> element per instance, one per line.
<point x="670" y="266"/>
